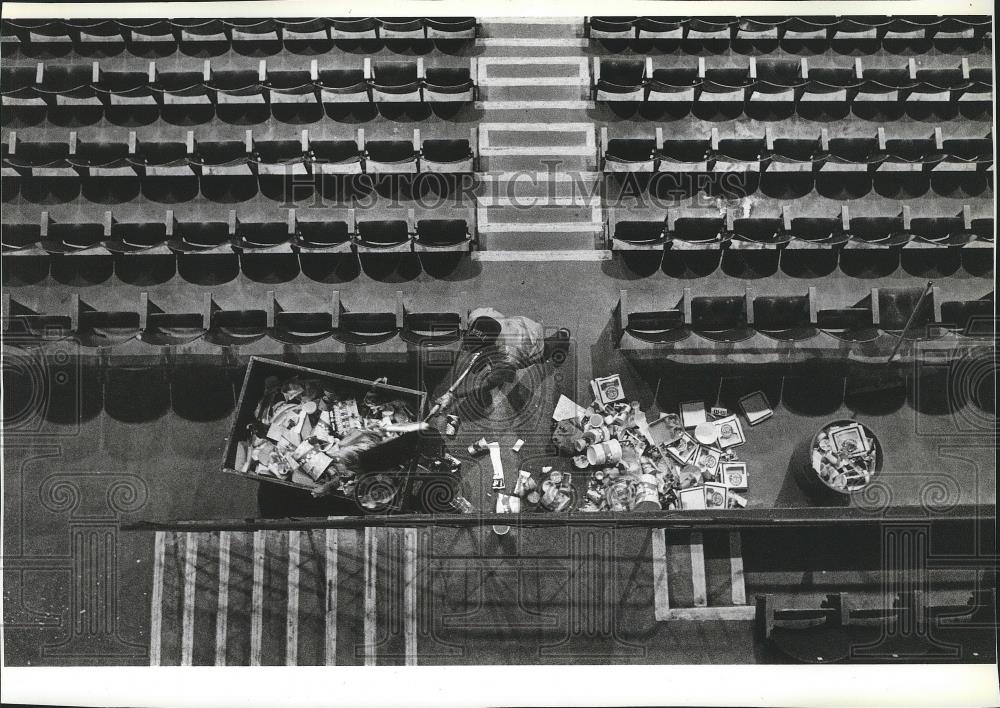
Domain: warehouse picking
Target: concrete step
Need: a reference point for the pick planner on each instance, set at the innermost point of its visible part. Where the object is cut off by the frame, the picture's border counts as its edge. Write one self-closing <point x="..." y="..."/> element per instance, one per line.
<point x="531" y="27"/>
<point x="534" y="96"/>
<point x="524" y="187"/>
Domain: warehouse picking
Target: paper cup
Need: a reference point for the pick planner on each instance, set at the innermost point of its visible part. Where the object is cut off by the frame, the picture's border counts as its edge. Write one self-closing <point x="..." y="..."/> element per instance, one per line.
<point x="706" y="433"/>
<point x="596" y="455"/>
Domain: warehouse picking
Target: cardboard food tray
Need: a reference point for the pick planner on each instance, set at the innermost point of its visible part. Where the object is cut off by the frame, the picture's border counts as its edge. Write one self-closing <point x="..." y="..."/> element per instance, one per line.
<point x="259" y="369"/>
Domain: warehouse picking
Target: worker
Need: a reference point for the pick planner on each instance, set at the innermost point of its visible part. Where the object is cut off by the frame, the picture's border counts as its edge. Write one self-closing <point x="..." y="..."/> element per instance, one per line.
<point x="495" y="347"/>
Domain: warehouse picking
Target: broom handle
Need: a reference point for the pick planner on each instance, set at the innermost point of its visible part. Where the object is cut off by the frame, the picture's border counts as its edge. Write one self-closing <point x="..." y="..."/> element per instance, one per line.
<point x="909" y="321"/>
<point x="461" y="377"/>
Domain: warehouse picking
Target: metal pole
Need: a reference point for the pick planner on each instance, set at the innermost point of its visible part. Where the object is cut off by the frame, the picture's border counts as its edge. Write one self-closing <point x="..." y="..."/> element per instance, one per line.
<point x="909" y="321"/>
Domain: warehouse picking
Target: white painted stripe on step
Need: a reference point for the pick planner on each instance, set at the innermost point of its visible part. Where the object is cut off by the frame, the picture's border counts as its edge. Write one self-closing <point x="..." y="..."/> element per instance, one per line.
<point x="156" y="600"/>
<point x="577" y="200"/>
<point x="538" y="150"/>
<point x="292" y="614"/>
<point x="712" y="614"/>
<point x="371" y="618"/>
<point x="739" y="592"/>
<point x="222" y="609"/>
<point x="575" y="227"/>
<point x="534" y="105"/>
<point x="661" y="580"/>
<point x="550" y="255"/>
<point x="698" y="569"/>
<point x="257" y="602"/>
<point x="410" y="595"/>
<point x="552" y="77"/>
<point x="539" y="127"/>
<point x="527" y="177"/>
<point x="531" y="21"/>
<point x="532" y="42"/>
<point x="330" y="649"/>
<point x="190" y="577"/>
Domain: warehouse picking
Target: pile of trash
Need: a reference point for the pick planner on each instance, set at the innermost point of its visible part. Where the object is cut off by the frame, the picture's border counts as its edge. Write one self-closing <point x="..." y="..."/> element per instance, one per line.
<point x="304" y="433"/>
<point x="677" y="461"/>
<point x="843" y="456"/>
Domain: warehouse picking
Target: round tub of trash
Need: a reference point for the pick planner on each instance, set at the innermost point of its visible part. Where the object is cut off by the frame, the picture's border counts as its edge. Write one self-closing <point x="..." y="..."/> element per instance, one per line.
<point x="845" y="457"/>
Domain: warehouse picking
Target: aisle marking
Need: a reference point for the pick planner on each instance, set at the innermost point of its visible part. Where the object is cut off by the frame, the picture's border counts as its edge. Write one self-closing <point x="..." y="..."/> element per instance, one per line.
<point x="587" y="129"/>
<point x="739" y="592"/>
<point x="661" y="577"/>
<point x="536" y="105"/>
<point x="257" y="604"/>
<point x="190" y="576"/>
<point x="410" y="595"/>
<point x="292" y="614"/>
<point x="698" y="569"/>
<point x="532" y="42"/>
<point x="371" y="571"/>
<point x="222" y="611"/>
<point x="156" y="601"/>
<point x="542" y="256"/>
<point x="330" y="650"/>
<point x="580" y="77"/>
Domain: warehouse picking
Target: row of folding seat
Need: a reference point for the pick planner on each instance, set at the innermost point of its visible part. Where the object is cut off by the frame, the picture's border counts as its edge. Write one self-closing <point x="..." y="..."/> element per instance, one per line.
<point x="216" y="324"/>
<point x="771" y="152"/>
<point x="188" y="156"/>
<point x="378" y="81"/>
<point x="789" y="27"/>
<point x="340" y="232"/>
<point x="236" y="30"/>
<point x="788" y="80"/>
<point x="692" y="229"/>
<point x="798" y="318"/>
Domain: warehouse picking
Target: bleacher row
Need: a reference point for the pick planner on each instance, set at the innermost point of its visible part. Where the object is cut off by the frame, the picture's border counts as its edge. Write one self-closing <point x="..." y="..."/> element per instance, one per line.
<point x="794" y="228"/>
<point x="58" y="84"/>
<point x="793" y="80"/>
<point x="218" y="325"/>
<point x="799" y="318"/>
<point x="155" y="154"/>
<point x="777" y="150"/>
<point x="330" y="231"/>
<point x="255" y="29"/>
<point x="787" y="28"/>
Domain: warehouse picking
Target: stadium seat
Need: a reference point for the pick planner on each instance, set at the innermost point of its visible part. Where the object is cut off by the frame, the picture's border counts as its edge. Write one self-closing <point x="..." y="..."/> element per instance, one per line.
<point x="94" y="31"/>
<point x="70" y="85"/>
<point x="905" y="154"/>
<point x="897" y="305"/>
<point x="16" y="236"/>
<point x="722" y="318"/>
<point x="84" y="235"/>
<point x="289" y="86"/>
<point x="698" y="231"/>
<point x="100" y="158"/>
<point x="19" y="85"/>
<point x="194" y="237"/>
<point x="367" y="328"/>
<point x="243" y="85"/>
<point x="674" y="84"/>
<point x="337" y="156"/>
<point x="182" y="87"/>
<point x="127" y="87"/>
<point x="160" y="328"/>
<point x="610" y="27"/>
<point x="273" y="236"/>
<point x="620" y="79"/>
<point x="162" y="158"/>
<point x="140" y="30"/>
<point x="431" y="329"/>
<point x="441" y="235"/>
<point x="280" y="157"/>
<point x="142" y="237"/>
<point x="728" y="84"/>
<point x="392" y="156"/>
<point x="252" y="29"/>
<point x="786" y="318"/>
<point x="831" y="84"/>
<point x="448" y="155"/>
<point x="395" y="82"/>
<point x="875" y="230"/>
<point x="634" y="235"/>
<point x="682" y="155"/>
<point x="353" y="27"/>
<point x="221" y="156"/>
<point x="237" y="326"/>
<point x="325" y="233"/>
<point x="628" y="154"/>
<point x="385" y="236"/>
<point x="847" y="154"/>
<point x="451" y="27"/>
<point x="304" y="29"/>
<point x="652" y="326"/>
<point x="777" y="80"/>
<point x="342" y="85"/>
<point x="447" y="85"/>
<point x="400" y="28"/>
<point x="854" y="325"/>
<point x="104" y="328"/>
<point x="809" y="231"/>
<point x="660" y="27"/>
<point x="753" y="232"/>
<point x="711" y="28"/>
<point x="200" y="30"/>
<point x="970" y="317"/>
<point x="962" y="154"/>
<point x="297" y="327"/>
<point x="736" y="154"/>
<point x="49" y="158"/>
<point x="789" y="154"/>
<point x="948" y="231"/>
